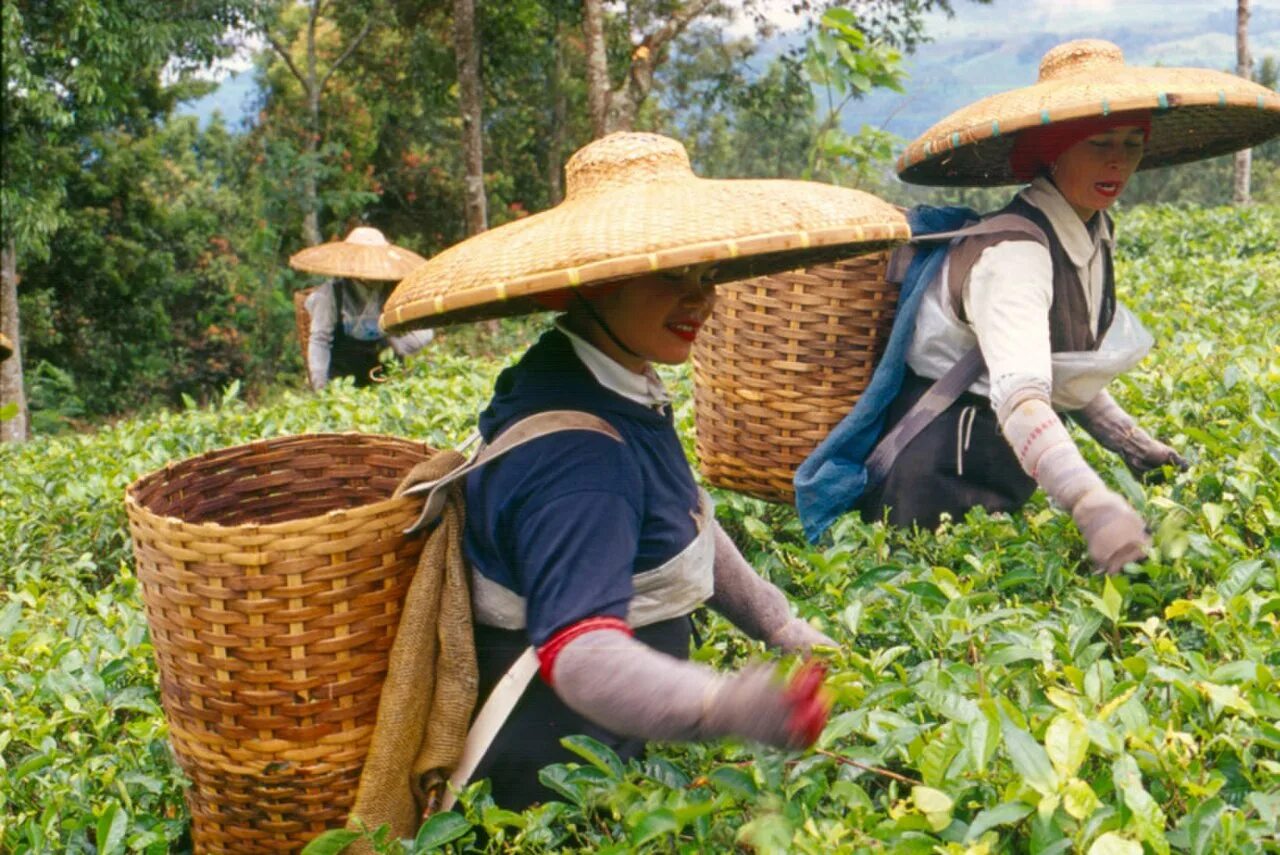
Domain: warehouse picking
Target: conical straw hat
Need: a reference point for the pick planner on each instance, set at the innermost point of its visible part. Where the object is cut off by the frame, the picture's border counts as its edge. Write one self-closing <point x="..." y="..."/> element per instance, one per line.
<point x="1195" y="113"/>
<point x="6" y="347"/>
<point x="364" y="254"/>
<point x="633" y="206"/>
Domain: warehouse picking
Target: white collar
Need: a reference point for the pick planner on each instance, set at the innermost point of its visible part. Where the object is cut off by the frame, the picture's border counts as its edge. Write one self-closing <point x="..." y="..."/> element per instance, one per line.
<point x="645" y="389"/>
<point x="1078" y="239"/>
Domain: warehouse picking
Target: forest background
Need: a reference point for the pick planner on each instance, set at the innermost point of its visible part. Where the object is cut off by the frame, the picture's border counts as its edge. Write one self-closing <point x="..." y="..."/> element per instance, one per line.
<point x="151" y="247"/>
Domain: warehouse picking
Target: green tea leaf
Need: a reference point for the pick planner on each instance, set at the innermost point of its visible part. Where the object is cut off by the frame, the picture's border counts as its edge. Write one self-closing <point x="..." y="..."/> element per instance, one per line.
<point x="439" y="829"/>
<point x="1029" y="759"/>
<point x="331" y="842"/>
<point x="1067" y="743"/>
<point x="1007" y="813"/>
<point x="1113" y="844"/>
<point x="594" y="752"/>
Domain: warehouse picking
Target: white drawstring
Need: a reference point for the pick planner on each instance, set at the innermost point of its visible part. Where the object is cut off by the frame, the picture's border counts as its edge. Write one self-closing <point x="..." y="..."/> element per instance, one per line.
<point x="964" y="431"/>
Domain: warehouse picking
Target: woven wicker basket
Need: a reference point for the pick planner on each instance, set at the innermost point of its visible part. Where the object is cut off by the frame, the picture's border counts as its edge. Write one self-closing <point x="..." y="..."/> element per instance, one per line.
<point x="273" y="575"/>
<point x="302" y="320"/>
<point x="782" y="359"/>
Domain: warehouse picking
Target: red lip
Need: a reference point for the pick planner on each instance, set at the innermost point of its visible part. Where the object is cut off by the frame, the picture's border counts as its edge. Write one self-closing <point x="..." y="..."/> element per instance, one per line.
<point x="687" y="330"/>
<point x="1110" y="189"/>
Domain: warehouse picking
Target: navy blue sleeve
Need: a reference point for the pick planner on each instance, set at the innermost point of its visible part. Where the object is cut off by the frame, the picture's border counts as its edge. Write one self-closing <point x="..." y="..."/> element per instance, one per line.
<point x="574" y="531"/>
<point x="574" y="560"/>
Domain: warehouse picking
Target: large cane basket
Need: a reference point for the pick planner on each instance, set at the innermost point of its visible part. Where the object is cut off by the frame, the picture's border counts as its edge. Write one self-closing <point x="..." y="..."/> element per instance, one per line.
<point x="780" y="362"/>
<point x="272" y="575"/>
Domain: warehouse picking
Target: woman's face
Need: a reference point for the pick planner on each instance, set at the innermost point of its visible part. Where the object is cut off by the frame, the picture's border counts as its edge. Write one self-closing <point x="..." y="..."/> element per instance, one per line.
<point x="1092" y="172"/>
<point x="656" y="316"/>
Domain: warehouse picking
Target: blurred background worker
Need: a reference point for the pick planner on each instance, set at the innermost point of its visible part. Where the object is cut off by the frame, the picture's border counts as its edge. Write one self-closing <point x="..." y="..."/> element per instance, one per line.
<point x="345" y="339"/>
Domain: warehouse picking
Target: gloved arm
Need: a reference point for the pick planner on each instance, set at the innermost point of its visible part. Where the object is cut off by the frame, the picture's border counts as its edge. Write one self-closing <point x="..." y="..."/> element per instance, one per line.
<point x="755" y="606"/>
<point x="1113" y="531"/>
<point x="631" y="689"/>
<point x="324" y="314"/>
<point x="411" y="342"/>
<point x="1116" y="430"/>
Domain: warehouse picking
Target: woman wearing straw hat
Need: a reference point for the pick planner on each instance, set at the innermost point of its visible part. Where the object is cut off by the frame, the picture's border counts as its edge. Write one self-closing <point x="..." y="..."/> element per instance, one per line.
<point x="595" y="549"/>
<point x="1038" y="301"/>
<point x="345" y="338"/>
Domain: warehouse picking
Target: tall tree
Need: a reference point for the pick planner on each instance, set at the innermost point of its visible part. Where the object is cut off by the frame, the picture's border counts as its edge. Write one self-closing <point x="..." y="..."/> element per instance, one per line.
<point x="614" y="108"/>
<point x="72" y="67"/>
<point x="1244" y="65"/>
<point x="470" y="97"/>
<point x="313" y="82"/>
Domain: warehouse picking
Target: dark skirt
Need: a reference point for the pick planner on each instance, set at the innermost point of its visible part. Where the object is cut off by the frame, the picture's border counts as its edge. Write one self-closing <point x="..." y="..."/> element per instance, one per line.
<point x="959" y="461"/>
<point x="530" y="739"/>
<point x="352" y="357"/>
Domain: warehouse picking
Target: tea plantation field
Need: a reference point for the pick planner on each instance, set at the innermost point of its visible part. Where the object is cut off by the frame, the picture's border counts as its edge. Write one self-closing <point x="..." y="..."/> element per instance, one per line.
<point x="992" y="694"/>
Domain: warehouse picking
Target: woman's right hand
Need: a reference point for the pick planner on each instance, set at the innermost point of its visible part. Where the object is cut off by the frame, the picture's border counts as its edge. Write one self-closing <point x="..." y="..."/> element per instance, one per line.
<point x="1113" y="531"/>
<point x="756" y="704"/>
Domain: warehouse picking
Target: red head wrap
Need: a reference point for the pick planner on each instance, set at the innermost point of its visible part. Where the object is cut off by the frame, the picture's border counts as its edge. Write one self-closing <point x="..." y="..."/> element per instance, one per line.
<point x="1037" y="148"/>
<point x="558" y="301"/>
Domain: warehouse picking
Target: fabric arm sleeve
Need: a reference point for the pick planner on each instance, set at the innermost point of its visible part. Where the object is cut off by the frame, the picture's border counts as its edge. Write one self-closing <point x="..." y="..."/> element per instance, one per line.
<point x="320" y="305"/>
<point x="1116" y="430"/>
<point x="755" y="606"/>
<point x="631" y="689"/>
<point x="1007" y="299"/>
<point x="1113" y="531"/>
<point x="411" y="342"/>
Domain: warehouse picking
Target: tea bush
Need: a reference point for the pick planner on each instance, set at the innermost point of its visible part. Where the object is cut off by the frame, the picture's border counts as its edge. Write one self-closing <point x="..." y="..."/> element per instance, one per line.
<point x="992" y="694"/>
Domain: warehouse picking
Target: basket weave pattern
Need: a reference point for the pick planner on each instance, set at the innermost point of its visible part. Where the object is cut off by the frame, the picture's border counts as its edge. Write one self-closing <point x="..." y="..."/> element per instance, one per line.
<point x="273" y="575"/>
<point x="780" y="362"/>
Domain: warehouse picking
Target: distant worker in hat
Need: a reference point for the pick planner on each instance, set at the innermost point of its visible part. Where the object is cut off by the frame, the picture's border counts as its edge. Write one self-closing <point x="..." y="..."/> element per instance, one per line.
<point x="592" y="547"/>
<point x="1033" y="293"/>
<point x="345" y="339"/>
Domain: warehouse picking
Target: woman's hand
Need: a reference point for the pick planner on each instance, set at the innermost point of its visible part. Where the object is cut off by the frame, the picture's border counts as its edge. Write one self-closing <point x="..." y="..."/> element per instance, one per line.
<point x="1113" y="531"/>
<point x="1116" y="430"/>
<point x="755" y="704"/>
<point x="757" y="607"/>
<point x="799" y="636"/>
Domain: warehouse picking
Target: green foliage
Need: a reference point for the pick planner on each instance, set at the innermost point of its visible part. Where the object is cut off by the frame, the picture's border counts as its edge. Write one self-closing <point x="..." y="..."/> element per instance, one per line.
<point x="160" y="282"/>
<point x="992" y="695"/>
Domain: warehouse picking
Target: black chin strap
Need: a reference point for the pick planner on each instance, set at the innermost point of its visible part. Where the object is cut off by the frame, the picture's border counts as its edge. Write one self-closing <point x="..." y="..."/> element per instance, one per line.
<point x="595" y="316"/>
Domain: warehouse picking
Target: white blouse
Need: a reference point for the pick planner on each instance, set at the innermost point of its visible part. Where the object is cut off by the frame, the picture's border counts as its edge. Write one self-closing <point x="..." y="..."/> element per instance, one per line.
<point x="1007" y="299"/>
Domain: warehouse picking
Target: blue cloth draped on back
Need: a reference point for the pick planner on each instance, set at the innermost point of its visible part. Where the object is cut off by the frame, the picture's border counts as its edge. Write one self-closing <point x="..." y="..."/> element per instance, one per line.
<point x="831" y="479"/>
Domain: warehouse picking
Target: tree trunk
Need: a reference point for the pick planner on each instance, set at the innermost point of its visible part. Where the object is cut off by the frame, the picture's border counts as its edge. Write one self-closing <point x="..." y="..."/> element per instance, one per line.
<point x="1244" y="67"/>
<point x="12" y="390"/>
<point x="559" y="116"/>
<point x="467" y="56"/>
<point x="597" y="66"/>
<point x="311" y="87"/>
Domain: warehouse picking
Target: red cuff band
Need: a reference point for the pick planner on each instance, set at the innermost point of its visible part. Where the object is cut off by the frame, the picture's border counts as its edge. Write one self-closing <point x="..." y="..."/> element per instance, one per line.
<point x="548" y="652"/>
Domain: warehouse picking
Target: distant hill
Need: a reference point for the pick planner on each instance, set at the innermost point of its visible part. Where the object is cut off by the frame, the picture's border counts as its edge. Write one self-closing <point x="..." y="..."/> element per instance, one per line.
<point x="988" y="49"/>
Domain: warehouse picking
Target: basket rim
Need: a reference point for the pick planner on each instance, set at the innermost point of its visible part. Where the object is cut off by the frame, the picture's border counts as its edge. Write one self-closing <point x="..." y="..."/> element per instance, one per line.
<point x="379" y="507"/>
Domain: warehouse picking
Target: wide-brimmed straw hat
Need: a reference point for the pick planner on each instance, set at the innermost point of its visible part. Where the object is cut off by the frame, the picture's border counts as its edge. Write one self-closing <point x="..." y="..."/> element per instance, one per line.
<point x="6" y="347"/>
<point x="1195" y="113"/>
<point x="363" y="254"/>
<point x="633" y="206"/>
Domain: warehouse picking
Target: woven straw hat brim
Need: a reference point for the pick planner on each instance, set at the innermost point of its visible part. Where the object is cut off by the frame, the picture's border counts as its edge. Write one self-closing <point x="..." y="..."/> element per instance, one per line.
<point x="354" y="261"/>
<point x="6" y="347"/>
<point x="746" y="227"/>
<point x="1195" y="114"/>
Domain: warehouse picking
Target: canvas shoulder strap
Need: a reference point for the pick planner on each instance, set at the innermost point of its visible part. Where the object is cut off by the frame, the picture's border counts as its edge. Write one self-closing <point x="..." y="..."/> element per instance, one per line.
<point x="524" y="431"/>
